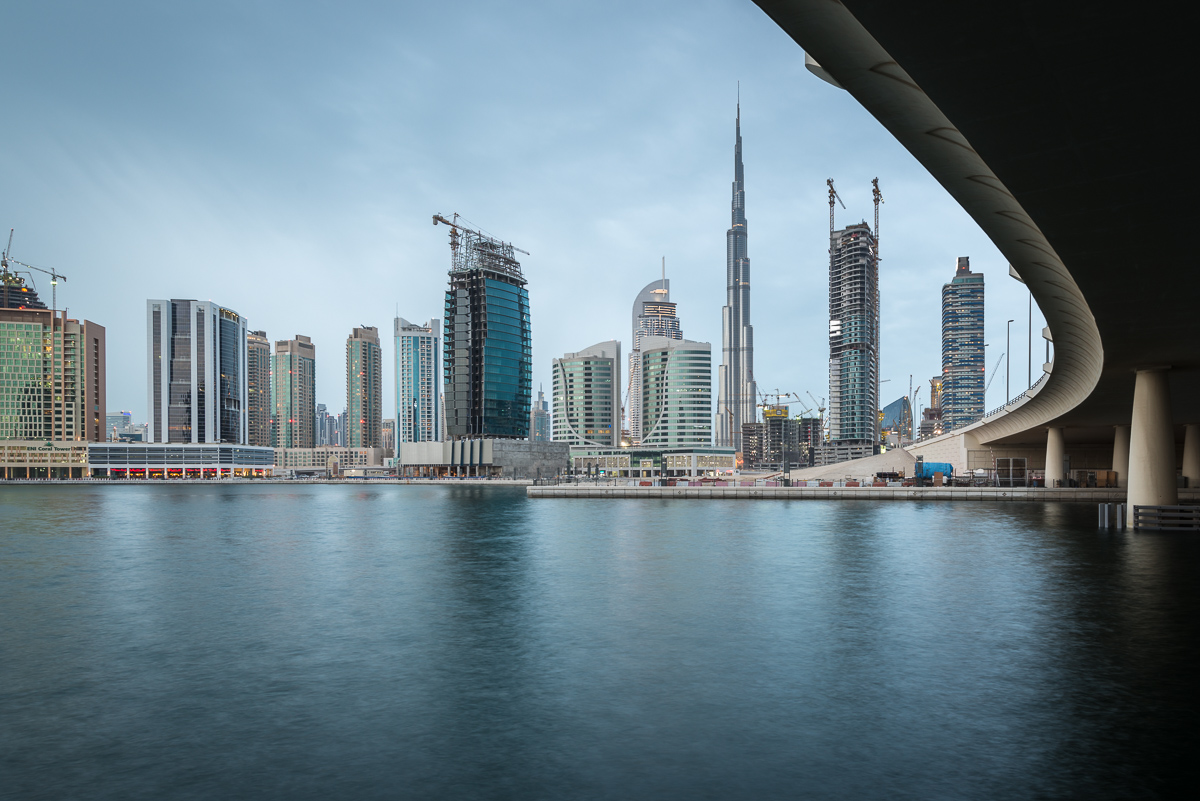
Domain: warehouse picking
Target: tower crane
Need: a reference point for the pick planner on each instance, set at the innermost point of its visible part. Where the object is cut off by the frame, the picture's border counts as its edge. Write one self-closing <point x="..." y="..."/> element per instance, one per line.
<point x="820" y="411"/>
<point x="832" y="195"/>
<point x="54" y="274"/>
<point x="438" y="218"/>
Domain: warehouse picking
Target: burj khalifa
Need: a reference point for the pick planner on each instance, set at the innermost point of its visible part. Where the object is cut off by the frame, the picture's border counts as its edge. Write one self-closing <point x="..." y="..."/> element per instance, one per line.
<point x="737" y="395"/>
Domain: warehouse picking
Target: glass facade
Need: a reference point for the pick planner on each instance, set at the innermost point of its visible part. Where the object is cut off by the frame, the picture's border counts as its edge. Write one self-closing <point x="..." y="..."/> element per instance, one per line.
<point x="198" y="372"/>
<point x="418" y="381"/>
<point x="364" y="389"/>
<point x="293" y="394"/>
<point x="854" y="338"/>
<point x="487" y="356"/>
<point x="676" y="393"/>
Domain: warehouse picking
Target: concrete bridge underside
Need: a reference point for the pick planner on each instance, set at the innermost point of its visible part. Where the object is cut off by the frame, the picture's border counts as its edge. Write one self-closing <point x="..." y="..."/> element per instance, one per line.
<point x="1060" y="129"/>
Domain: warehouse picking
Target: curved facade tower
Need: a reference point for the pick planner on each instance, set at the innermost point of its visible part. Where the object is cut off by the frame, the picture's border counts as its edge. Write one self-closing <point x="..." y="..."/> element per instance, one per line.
<point x="654" y="315"/>
<point x="737" y="395"/>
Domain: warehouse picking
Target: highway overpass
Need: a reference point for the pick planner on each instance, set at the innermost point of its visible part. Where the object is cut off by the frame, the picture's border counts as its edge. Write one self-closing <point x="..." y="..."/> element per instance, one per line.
<point x="1059" y="128"/>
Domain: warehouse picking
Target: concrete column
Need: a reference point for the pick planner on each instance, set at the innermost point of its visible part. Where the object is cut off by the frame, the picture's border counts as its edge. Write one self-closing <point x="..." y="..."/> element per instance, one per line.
<point x="1191" y="454"/>
<point x="1121" y="455"/>
<point x="1151" y="444"/>
<point x="1054" y="456"/>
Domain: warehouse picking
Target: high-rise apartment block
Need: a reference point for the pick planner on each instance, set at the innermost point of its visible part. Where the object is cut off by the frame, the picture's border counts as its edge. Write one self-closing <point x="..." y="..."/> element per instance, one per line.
<point x="654" y="315"/>
<point x="196" y="365"/>
<point x="418" y="381"/>
<point x="364" y="389"/>
<point x="587" y="396"/>
<point x="676" y="393"/>
<point x="539" y="419"/>
<point x="52" y="369"/>
<point x="931" y="417"/>
<point x="293" y="393"/>
<point x="853" y="345"/>
<point x="487" y="346"/>
<point x="963" y="364"/>
<point x="737" y="393"/>
<point x="258" y="389"/>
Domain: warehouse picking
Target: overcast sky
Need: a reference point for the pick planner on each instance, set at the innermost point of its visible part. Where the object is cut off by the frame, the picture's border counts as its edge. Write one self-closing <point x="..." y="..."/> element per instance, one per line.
<point x="285" y="160"/>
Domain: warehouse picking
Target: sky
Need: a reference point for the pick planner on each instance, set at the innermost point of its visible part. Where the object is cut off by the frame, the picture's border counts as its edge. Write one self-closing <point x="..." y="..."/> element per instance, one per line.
<point x="285" y="160"/>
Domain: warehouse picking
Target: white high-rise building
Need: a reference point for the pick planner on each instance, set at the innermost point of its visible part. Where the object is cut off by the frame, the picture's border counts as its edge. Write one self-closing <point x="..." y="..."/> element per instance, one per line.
<point x="197" y="370"/>
<point x="654" y="315"/>
<point x="676" y="393"/>
<point x="418" y="379"/>
<point x="587" y="396"/>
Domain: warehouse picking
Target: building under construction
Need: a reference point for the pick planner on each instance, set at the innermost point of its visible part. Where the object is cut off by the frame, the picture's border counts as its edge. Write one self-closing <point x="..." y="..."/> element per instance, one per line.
<point x="779" y="442"/>
<point x="487" y="345"/>
<point x="853" y="345"/>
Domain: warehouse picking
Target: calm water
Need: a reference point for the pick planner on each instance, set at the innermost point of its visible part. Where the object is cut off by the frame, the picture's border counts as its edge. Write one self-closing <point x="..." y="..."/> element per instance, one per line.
<point x="452" y="642"/>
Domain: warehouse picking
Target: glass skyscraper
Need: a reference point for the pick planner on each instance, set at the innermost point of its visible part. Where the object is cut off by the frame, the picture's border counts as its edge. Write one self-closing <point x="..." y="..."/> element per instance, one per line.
<point x="258" y="388"/>
<point x="52" y="369"/>
<point x="364" y="389"/>
<point x="487" y="361"/>
<point x="293" y="393"/>
<point x="196" y="353"/>
<point x="963" y="365"/>
<point x="418" y="381"/>
<point x="737" y="393"/>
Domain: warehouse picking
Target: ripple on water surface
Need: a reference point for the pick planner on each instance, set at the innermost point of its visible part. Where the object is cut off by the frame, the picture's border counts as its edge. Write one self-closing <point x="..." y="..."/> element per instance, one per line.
<point x="465" y="642"/>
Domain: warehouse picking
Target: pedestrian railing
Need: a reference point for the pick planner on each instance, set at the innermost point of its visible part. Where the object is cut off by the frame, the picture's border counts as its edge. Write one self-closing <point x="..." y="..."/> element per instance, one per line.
<point x="1166" y="518"/>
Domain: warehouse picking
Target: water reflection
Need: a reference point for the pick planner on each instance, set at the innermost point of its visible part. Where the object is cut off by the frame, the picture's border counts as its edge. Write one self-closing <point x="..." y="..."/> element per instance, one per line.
<point x="439" y="642"/>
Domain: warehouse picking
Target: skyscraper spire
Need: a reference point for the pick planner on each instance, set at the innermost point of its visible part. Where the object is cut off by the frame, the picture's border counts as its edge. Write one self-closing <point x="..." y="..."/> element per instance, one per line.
<point x="737" y="393"/>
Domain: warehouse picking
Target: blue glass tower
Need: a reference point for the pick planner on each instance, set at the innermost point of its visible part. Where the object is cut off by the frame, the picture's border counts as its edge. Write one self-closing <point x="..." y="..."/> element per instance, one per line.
<point x="487" y="345"/>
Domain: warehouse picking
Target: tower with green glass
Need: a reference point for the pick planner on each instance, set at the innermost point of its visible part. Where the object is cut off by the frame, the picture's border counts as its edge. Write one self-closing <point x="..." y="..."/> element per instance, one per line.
<point x="487" y="362"/>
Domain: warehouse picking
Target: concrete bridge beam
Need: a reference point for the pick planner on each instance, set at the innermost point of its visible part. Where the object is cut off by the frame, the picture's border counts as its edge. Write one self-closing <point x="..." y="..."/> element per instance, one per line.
<point x="1151" y="444"/>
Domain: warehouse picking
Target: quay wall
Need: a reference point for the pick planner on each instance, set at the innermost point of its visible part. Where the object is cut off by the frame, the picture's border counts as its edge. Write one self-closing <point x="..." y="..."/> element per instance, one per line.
<point x="1072" y="495"/>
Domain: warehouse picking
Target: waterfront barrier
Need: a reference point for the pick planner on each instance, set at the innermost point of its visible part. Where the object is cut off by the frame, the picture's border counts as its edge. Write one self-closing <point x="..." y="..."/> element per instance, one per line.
<point x="1060" y="494"/>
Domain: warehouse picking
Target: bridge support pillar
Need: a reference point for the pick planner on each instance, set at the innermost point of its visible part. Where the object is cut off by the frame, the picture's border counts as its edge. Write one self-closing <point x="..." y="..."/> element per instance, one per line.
<point x="1151" y="444"/>
<point x="1054" y="457"/>
<point x="1191" y="454"/>
<point x="1121" y="455"/>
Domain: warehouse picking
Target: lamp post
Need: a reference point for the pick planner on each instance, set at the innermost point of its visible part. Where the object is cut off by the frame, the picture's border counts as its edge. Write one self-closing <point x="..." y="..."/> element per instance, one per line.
<point x="1007" y="361"/>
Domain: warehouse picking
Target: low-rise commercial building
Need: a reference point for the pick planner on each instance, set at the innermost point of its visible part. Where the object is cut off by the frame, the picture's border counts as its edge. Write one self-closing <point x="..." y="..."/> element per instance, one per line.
<point x="328" y="460"/>
<point x="643" y="462"/>
<point x="178" y="460"/>
<point x="494" y="458"/>
<point x="26" y="459"/>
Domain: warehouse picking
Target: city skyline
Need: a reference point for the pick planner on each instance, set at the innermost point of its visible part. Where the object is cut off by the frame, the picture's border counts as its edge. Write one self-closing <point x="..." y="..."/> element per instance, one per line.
<point x="151" y="196"/>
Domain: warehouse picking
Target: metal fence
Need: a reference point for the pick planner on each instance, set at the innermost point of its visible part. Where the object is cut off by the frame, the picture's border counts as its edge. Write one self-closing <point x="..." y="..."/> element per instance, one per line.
<point x="1166" y="518"/>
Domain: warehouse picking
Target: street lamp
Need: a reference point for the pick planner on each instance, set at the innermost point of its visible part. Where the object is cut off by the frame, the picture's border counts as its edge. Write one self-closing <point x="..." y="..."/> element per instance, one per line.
<point x="1007" y="361"/>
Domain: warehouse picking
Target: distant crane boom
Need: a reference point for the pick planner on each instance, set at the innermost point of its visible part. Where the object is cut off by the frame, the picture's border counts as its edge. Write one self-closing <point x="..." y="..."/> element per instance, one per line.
<point x="994" y="369"/>
<point x="55" y="276"/>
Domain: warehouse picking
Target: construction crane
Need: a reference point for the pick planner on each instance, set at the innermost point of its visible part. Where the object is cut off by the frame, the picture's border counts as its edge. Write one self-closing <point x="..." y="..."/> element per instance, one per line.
<point x="54" y="274"/>
<point x="777" y="395"/>
<point x="878" y="196"/>
<point x="989" y="381"/>
<point x="438" y="218"/>
<point x="820" y="411"/>
<point x="832" y="195"/>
